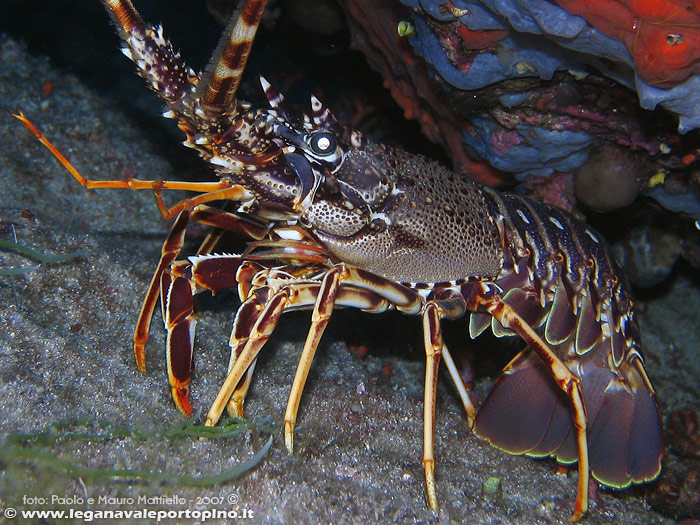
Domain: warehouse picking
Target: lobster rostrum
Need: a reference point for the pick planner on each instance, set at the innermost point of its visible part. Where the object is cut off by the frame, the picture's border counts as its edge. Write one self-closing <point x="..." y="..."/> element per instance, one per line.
<point x="338" y="221"/>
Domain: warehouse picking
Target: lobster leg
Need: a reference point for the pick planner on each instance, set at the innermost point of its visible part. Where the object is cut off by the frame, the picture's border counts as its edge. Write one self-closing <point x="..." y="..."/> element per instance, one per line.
<point x="251" y="275"/>
<point x="342" y="285"/>
<point x="459" y="385"/>
<point x="319" y="320"/>
<point x="251" y="331"/>
<point x="357" y="289"/>
<point x="432" y="339"/>
<point x="453" y="306"/>
<point x="178" y="285"/>
<point x="259" y="334"/>
<point x="447" y="304"/>
<point x="224" y="221"/>
<point x="339" y="277"/>
<point x="304" y="294"/>
<point x="170" y="251"/>
<point x="333" y="282"/>
<point x="570" y="384"/>
<point x="346" y="286"/>
<point x="321" y="296"/>
<point x="246" y="316"/>
<point x="180" y="323"/>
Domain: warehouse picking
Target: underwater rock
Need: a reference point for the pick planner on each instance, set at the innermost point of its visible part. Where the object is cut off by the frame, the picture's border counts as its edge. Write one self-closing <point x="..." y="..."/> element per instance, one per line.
<point x="609" y="179"/>
<point x="531" y="88"/>
<point x="648" y="255"/>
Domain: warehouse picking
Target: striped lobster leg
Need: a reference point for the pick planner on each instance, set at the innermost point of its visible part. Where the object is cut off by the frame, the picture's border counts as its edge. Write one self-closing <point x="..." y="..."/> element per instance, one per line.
<point x="177" y="284"/>
<point x="272" y="294"/>
<point x="344" y="286"/>
<point x="186" y="209"/>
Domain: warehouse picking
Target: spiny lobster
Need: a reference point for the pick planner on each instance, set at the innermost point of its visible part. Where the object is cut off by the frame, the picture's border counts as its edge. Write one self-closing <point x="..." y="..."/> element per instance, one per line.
<point x="338" y="221"/>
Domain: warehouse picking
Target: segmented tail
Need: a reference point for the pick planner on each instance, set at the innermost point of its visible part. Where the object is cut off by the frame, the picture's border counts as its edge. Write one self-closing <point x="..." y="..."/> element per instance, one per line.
<point x="561" y="277"/>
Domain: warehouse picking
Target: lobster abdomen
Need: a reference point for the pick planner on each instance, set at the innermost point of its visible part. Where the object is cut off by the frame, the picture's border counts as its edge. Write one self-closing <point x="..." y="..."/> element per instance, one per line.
<point x="561" y="276"/>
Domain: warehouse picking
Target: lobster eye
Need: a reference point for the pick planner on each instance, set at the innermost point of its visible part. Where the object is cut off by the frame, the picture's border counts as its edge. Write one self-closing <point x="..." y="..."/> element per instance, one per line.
<point x="323" y="143"/>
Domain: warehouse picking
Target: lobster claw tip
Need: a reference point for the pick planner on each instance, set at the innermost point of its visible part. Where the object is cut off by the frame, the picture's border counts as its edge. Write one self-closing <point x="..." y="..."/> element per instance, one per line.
<point x="181" y="397"/>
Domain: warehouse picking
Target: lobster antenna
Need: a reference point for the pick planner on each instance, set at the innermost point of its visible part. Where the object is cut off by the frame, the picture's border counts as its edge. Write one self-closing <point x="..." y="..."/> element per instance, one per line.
<point x="222" y="75"/>
<point x="126" y="17"/>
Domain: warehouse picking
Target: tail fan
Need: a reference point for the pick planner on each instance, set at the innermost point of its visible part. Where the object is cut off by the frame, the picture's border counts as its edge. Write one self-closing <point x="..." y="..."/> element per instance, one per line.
<point x="526" y="413"/>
